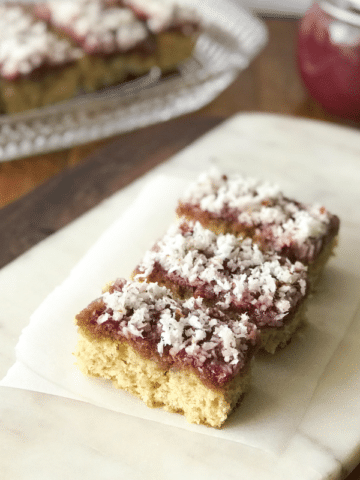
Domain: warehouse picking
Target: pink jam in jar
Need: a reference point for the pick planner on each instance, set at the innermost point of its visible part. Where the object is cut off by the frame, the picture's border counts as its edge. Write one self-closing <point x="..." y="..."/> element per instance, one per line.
<point x="328" y="54"/>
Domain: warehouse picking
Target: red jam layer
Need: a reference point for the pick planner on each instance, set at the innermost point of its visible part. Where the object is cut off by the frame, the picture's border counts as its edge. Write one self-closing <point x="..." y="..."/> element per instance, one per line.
<point x="176" y="335"/>
<point x="227" y="271"/>
<point x="249" y="207"/>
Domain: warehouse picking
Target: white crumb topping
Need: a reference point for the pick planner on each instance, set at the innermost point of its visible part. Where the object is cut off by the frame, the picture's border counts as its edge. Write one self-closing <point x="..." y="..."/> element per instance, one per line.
<point x="163" y="14"/>
<point x="136" y="297"/>
<point x="190" y="332"/>
<point x="100" y="29"/>
<point x="141" y="307"/>
<point x="261" y="206"/>
<point x="213" y="190"/>
<point x="232" y="269"/>
<point x="26" y="43"/>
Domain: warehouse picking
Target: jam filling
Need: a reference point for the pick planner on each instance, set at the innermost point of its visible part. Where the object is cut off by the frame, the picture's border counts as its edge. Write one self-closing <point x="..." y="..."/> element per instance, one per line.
<point x="258" y="210"/>
<point x="29" y="49"/>
<point x="263" y="234"/>
<point x="177" y="335"/>
<point x="163" y="17"/>
<point x="96" y="27"/>
<point x="228" y="272"/>
<point x="259" y="312"/>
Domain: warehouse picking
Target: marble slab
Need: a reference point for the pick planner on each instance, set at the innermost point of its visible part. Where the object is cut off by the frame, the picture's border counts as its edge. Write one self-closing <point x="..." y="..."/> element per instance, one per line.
<point x="309" y="427"/>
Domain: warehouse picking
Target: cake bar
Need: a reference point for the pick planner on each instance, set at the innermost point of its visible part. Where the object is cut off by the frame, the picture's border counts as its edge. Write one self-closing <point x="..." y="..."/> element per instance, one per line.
<point x="231" y="274"/>
<point x="51" y="51"/>
<point x="223" y="281"/>
<point x="179" y="355"/>
<point x="37" y="68"/>
<point x="120" y="40"/>
<point x="175" y="28"/>
<point x="116" y="44"/>
<point x="250" y="208"/>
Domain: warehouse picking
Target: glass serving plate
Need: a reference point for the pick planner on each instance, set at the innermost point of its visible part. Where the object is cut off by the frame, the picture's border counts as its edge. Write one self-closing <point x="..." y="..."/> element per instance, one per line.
<point x="231" y="38"/>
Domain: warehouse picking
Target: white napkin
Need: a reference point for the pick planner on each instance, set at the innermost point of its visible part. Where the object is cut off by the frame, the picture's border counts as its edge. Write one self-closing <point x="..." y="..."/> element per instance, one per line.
<point x="283" y="384"/>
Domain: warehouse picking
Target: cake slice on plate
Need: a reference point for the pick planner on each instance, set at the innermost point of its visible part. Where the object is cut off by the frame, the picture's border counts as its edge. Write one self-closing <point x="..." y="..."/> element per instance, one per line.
<point x="182" y="356"/>
<point x="175" y="27"/>
<point x="115" y="42"/>
<point x="122" y="40"/>
<point x="231" y="274"/>
<point x="251" y="208"/>
<point x="37" y="68"/>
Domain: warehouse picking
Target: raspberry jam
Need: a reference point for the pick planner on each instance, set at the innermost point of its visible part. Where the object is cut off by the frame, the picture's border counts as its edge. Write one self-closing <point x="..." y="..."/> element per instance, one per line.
<point x="328" y="54"/>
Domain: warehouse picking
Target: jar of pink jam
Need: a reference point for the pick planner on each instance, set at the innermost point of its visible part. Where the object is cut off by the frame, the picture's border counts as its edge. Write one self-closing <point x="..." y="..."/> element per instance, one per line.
<point x="328" y="54"/>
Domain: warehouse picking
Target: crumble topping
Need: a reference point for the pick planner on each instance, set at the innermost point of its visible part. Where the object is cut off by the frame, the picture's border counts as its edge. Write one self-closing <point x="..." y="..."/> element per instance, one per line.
<point x="162" y="15"/>
<point x="99" y="28"/>
<point x="278" y="222"/>
<point x="186" y="331"/>
<point x="26" y="43"/>
<point x="228" y="270"/>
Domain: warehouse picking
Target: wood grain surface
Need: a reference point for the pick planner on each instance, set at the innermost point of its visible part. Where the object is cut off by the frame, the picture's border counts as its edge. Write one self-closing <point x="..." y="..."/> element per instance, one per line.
<point x="75" y="190"/>
<point x="39" y="195"/>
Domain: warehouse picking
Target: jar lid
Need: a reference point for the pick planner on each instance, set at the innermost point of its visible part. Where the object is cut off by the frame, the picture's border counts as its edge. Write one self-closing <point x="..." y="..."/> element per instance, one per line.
<point x="346" y="10"/>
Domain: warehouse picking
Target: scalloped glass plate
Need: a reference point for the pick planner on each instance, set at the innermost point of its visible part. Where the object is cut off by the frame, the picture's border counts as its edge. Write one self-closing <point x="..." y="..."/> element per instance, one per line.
<point x="231" y="38"/>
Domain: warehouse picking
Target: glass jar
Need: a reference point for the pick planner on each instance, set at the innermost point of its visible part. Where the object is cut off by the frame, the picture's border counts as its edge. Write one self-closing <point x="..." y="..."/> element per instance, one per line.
<point x="328" y="54"/>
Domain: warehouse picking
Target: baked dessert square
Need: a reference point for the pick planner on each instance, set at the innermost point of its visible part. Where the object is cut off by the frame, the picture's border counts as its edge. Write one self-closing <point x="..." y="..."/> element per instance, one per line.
<point x="116" y="44"/>
<point x="181" y="356"/>
<point x="37" y="68"/>
<point x="122" y="39"/>
<point x="174" y="26"/>
<point x="53" y="50"/>
<point x="251" y="208"/>
<point x="231" y="274"/>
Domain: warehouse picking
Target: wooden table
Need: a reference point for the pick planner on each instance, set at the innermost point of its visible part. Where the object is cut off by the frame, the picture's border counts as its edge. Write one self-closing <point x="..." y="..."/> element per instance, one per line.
<point x="40" y="195"/>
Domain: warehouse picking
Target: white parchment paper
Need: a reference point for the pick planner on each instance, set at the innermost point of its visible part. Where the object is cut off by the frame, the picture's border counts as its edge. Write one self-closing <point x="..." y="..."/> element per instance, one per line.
<point x="283" y="384"/>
